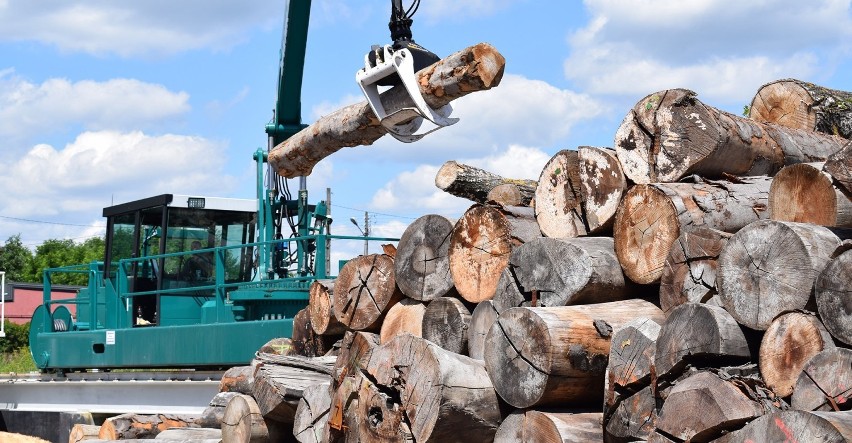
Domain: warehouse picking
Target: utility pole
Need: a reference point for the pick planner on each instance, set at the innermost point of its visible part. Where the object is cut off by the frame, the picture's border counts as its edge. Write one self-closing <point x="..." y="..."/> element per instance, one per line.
<point x="366" y="232"/>
<point x="328" y="231"/>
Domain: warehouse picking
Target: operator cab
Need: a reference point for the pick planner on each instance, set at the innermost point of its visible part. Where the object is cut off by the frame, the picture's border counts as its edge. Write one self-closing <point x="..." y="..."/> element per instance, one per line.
<point x="185" y="229"/>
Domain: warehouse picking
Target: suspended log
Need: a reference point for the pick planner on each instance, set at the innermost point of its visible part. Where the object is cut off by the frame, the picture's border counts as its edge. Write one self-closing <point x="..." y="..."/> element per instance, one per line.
<point x="354" y="354"/>
<point x="306" y="342"/>
<point x="481" y="243"/>
<point x="130" y="426"/>
<point x="446" y="397"/>
<point x="803" y="193"/>
<point x="237" y="379"/>
<point x="366" y="290"/>
<point x="689" y="273"/>
<point x="474" y="184"/>
<point x="770" y="267"/>
<point x="277" y="387"/>
<point x="631" y="354"/>
<point x="559" y="199"/>
<point x="562" y="272"/>
<point x="473" y="69"/>
<point x="321" y="309"/>
<point x="653" y="216"/>
<point x="839" y="165"/>
<point x="556" y="355"/>
<point x="802" y="105"/>
<point x="311" y="422"/>
<point x="795" y="426"/>
<point x="422" y="263"/>
<point x="212" y="415"/>
<point x="481" y="320"/>
<point x="510" y="194"/>
<point x="446" y="323"/>
<point x="832" y="289"/>
<point x="671" y="134"/>
<point x="696" y="332"/>
<point x="633" y="419"/>
<point x="81" y="432"/>
<point x="405" y="317"/>
<point x="789" y="342"/>
<point x="824" y="384"/>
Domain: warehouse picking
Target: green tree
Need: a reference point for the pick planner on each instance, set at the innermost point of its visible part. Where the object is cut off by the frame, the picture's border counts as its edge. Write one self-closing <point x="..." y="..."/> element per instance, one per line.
<point x="15" y="259"/>
<point x="17" y="337"/>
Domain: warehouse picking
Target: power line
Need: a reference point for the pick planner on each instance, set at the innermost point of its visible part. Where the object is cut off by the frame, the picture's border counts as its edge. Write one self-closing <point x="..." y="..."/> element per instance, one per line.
<point x="376" y="213"/>
<point x="50" y="222"/>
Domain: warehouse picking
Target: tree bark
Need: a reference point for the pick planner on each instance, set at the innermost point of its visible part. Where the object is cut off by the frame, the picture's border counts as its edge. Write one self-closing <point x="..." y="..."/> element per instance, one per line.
<point x="446" y="397"/>
<point x="81" y="432"/>
<point x="510" y="194"/>
<point x="480" y="246"/>
<point x="789" y="342"/>
<point x="366" y="290"/>
<point x="278" y="388"/>
<point x="130" y="426"/>
<point x="839" y="165"/>
<point x="696" y="332"/>
<point x="237" y="379"/>
<point x="559" y="198"/>
<point x="405" y="317"/>
<point x="804" y="193"/>
<point x="556" y="355"/>
<point x="481" y="320"/>
<point x="602" y="184"/>
<point x="305" y="341"/>
<point x="824" y="384"/>
<point x="770" y="267"/>
<point x="671" y="134"/>
<point x="652" y="217"/>
<point x="422" y="263"/>
<point x="631" y="355"/>
<point x="354" y="354"/>
<point x="212" y="415"/>
<point x="311" y="422"/>
<point x="474" y="184"/>
<point x="795" y="426"/>
<point x="446" y="323"/>
<point x="562" y="272"/>
<point x="832" y="289"/>
<point x="802" y="105"/>
<point x="321" y="309"/>
<point x="689" y="273"/>
<point x="476" y="68"/>
<point x="633" y="418"/>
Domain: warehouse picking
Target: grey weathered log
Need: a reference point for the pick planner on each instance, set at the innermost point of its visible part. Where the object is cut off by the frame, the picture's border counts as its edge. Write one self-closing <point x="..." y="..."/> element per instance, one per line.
<point x="795" y="426"/>
<point x="278" y="388"/>
<point x="789" y="342"/>
<point x="631" y="355"/>
<point x="832" y="290"/>
<point x="653" y="216"/>
<point x="477" y="68"/>
<point x="366" y="290"/>
<point x="689" y="274"/>
<point x="481" y="243"/>
<point x="804" y="193"/>
<point x="446" y="323"/>
<point x="321" y="309"/>
<point x="511" y="429"/>
<point x="559" y="199"/>
<point x="311" y="422"/>
<point x="770" y="267"/>
<point x="481" y="320"/>
<point x="633" y="418"/>
<point x="422" y="262"/>
<point x="237" y="379"/>
<point x="354" y="354"/>
<point x="602" y="184"/>
<point x="824" y="384"/>
<point x="405" y="317"/>
<point x="803" y="105"/>
<point x="839" y="165"/>
<point x="474" y="184"/>
<point x="670" y="134"/>
<point x="549" y="426"/>
<point x="244" y="423"/>
<point x="190" y="434"/>
<point x="212" y="415"/>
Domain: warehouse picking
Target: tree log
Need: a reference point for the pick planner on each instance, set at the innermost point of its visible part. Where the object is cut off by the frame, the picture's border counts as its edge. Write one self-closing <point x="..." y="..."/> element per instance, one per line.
<point x="130" y="426"/>
<point x="354" y="354"/>
<point x="366" y="289"/>
<point x="510" y="194"/>
<point x="81" y="432"/>
<point x="321" y="309"/>
<point x="545" y="427"/>
<point x="631" y="355"/>
<point x="212" y="415"/>
<point x="311" y="422"/>
<point x="237" y="379"/>
<point x="446" y="323"/>
<point x="562" y="272"/>
<point x="473" y="69"/>
<point x="343" y="421"/>
<point x="278" y="388"/>
<point x="422" y="263"/>
<point x="839" y="165"/>
<point x="306" y="342"/>
<point x="511" y="429"/>
<point x="481" y="320"/>
<point x="405" y="317"/>
<point x="633" y="419"/>
<point x="671" y="134"/>
<point x="481" y="243"/>
<point x="474" y="184"/>
<point x="802" y="105"/>
<point x="832" y="289"/>
<point x="602" y="185"/>
<point x="696" y="332"/>
<point x="789" y="342"/>
<point x="795" y="426"/>
<point x="556" y="355"/>
<point x="559" y="199"/>
<point x="689" y="273"/>
<point x="803" y="193"/>
<point x="446" y="397"/>
<point x="191" y="435"/>
<point x="770" y="267"/>
<point x="379" y="416"/>
<point x="652" y="217"/>
<point x="825" y="383"/>
<point x="243" y="422"/>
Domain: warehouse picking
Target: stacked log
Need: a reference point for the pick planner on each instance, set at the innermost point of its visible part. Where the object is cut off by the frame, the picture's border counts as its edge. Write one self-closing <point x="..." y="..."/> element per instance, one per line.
<point x="803" y="105"/>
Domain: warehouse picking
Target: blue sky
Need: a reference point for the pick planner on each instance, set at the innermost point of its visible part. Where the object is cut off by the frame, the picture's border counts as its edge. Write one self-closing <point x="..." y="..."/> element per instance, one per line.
<point x="104" y="102"/>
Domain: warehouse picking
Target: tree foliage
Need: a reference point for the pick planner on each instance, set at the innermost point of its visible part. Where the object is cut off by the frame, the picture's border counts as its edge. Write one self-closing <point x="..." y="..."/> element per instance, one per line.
<point x="15" y="259"/>
<point x="22" y="265"/>
<point x="17" y="337"/>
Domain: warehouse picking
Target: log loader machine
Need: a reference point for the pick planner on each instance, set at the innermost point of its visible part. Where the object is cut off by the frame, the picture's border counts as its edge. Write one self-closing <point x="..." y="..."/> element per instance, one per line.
<point x="202" y="282"/>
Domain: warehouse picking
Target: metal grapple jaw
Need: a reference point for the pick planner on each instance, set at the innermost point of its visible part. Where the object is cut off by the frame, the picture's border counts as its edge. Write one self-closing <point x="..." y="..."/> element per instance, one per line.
<point x="404" y="122"/>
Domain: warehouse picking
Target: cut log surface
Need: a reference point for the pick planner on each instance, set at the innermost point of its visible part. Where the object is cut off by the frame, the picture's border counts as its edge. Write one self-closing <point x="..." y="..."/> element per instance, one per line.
<point x="671" y="134"/>
<point x="825" y="383"/>
<point x="405" y="317"/>
<point x="631" y="354"/>
<point x="834" y="303"/>
<point x="795" y="426"/>
<point x="212" y="415"/>
<point x="770" y="267"/>
<point x="633" y="419"/>
<point x="366" y="289"/>
<point x="481" y="320"/>
<point x="243" y="422"/>
<point x="556" y="355"/>
<point x="511" y="429"/>
<point x="545" y="427"/>
<point x="446" y="323"/>
<point x="354" y="354"/>
<point x="343" y="421"/>
<point x="422" y="263"/>
<point x="81" y="432"/>
<point x="652" y="217"/>
<point x="321" y="309"/>
<point x="474" y="184"/>
<point x="789" y="342"/>
<point x="311" y="423"/>
<point x="558" y="198"/>
<point x="803" y="193"/>
<point x="509" y="194"/>
<point x="481" y="243"/>
<point x="446" y="397"/>
<point x="379" y="418"/>
<point x="689" y="274"/>
<point x="562" y="272"/>
<point x="137" y="426"/>
<point x="278" y="388"/>
<point x="306" y="342"/>
<point x="477" y="68"/>
<point x="237" y="379"/>
<point x="602" y="184"/>
<point x="698" y="332"/>
<point x="802" y="105"/>
<point x="839" y="165"/>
